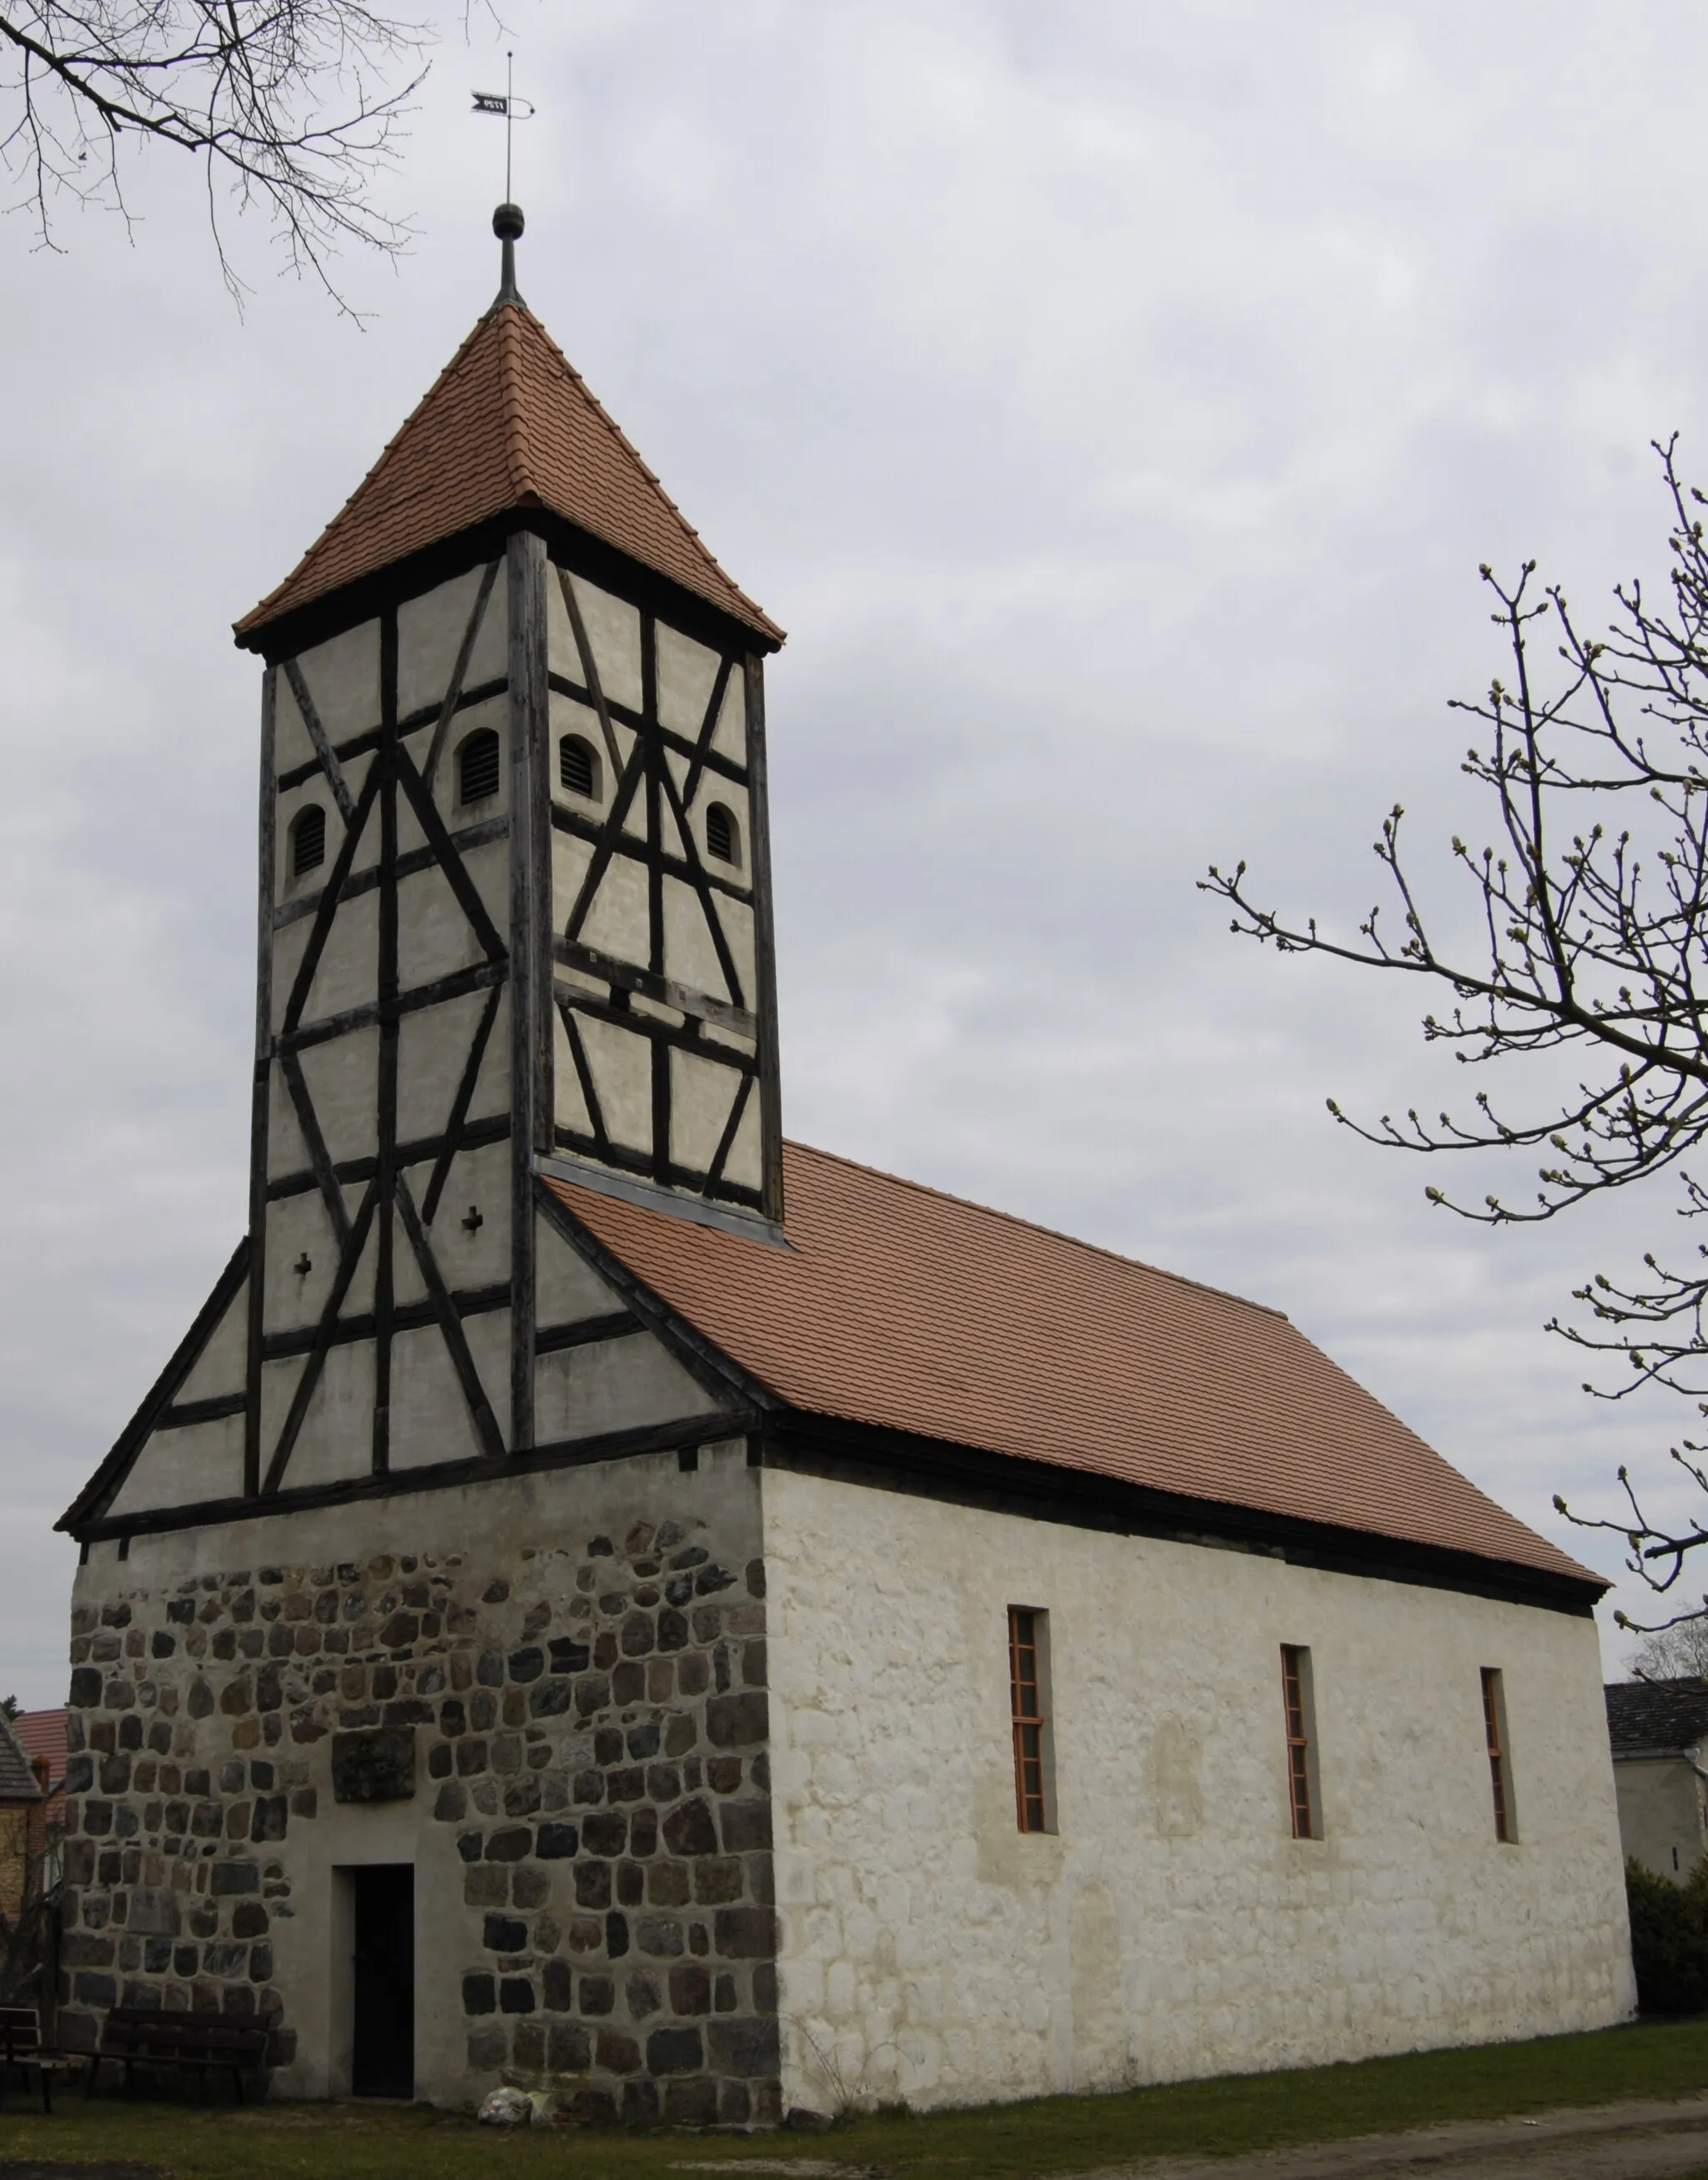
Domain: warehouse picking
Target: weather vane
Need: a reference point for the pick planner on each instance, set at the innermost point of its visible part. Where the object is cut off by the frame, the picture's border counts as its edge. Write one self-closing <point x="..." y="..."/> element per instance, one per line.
<point x="505" y="103"/>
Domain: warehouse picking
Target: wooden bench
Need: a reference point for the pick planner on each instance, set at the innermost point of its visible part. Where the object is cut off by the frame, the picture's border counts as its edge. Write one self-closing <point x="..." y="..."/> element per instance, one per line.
<point x="21" y="2046"/>
<point x="203" y="2044"/>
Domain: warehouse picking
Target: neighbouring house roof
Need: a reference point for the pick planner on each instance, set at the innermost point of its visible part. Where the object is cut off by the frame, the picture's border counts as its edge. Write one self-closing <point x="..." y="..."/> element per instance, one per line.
<point x="42" y="1733"/>
<point x="16" y="1780"/>
<point x="1643" y="1715"/>
<point x="897" y="1307"/>
<point x="508" y="424"/>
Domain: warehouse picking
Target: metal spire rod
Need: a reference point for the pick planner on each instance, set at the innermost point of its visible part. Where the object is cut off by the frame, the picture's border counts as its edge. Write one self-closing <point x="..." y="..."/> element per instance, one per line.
<point x="507" y="220"/>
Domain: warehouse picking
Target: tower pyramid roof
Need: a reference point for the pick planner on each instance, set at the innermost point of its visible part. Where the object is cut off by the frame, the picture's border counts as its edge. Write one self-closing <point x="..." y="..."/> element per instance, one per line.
<point x="509" y="425"/>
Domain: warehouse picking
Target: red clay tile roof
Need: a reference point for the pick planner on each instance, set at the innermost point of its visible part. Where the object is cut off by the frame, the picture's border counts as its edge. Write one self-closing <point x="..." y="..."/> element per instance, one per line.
<point x="898" y="1307"/>
<point x="43" y="1733"/>
<point x="17" y="1779"/>
<point x="509" y="423"/>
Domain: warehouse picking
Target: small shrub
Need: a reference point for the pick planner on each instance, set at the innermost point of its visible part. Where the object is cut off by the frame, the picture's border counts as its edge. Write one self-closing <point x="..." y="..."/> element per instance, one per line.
<point x="1669" y="1939"/>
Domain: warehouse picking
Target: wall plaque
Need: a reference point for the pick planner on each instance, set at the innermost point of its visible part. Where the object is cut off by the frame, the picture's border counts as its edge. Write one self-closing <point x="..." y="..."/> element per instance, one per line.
<point x="375" y="1765"/>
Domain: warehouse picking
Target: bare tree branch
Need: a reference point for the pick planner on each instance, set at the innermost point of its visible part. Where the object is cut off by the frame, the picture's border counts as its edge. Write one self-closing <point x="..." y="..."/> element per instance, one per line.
<point x="291" y="105"/>
<point x="1593" y="912"/>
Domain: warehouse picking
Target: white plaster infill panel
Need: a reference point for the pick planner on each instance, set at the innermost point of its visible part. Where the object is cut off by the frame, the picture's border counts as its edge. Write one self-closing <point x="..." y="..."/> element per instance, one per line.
<point x="691" y="953"/>
<point x="433" y="1048"/>
<point x="617" y="922"/>
<point x="613" y="1385"/>
<point x="347" y="973"/>
<point x="435" y="936"/>
<point x="687" y="676"/>
<point x="221" y="1366"/>
<point x="342" y="676"/>
<point x="730" y="736"/>
<point x="613" y="630"/>
<point x="432" y="630"/>
<point x="1172" y="1927"/>
<point x="702" y="1093"/>
<point x="185" y="1466"/>
<point x="620" y="1383"/>
<point x="621" y="1063"/>
<point x="430" y="1421"/>
<point x="567" y="1288"/>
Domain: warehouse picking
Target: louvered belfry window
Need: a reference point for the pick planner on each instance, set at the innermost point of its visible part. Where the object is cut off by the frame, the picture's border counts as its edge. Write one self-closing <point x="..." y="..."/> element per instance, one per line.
<point x="477" y="767"/>
<point x="308" y="842"/>
<point x="1026" y="1699"/>
<point x="723" y="835"/>
<point x="578" y="766"/>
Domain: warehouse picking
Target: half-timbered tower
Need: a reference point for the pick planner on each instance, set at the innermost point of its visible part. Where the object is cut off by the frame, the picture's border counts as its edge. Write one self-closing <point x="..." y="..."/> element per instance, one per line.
<point x="605" y="1600"/>
<point x="514" y="919"/>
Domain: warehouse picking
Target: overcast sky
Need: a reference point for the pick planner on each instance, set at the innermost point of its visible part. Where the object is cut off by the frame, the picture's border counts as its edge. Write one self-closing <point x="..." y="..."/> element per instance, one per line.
<point x="1114" y="402"/>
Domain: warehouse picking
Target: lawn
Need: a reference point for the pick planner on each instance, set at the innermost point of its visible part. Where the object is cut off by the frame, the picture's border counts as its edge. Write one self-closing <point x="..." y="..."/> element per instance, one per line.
<point x="995" y="2142"/>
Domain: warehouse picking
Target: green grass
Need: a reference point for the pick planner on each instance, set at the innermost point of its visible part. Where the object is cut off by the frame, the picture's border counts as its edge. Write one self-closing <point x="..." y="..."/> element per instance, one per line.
<point x="994" y="2142"/>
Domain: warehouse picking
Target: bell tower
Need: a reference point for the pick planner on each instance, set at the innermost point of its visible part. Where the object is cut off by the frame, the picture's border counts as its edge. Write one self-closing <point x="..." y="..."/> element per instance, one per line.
<point x="514" y="914"/>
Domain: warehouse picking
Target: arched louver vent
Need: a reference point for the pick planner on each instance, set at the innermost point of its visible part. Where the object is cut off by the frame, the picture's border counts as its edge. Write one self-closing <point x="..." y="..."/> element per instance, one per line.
<point x="578" y="766"/>
<point x="477" y="766"/>
<point x="723" y="835"/>
<point x="308" y="842"/>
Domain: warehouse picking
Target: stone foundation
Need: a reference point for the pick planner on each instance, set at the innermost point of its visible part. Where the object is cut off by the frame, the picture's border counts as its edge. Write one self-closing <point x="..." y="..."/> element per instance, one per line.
<point x="583" y="1731"/>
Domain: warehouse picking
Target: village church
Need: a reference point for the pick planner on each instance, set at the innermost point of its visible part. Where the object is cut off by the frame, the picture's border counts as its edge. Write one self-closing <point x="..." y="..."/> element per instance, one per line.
<point x="606" y="1598"/>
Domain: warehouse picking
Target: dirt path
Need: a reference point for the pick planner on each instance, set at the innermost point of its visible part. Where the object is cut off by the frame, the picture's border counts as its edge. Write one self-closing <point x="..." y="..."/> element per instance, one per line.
<point x="1649" y="2141"/>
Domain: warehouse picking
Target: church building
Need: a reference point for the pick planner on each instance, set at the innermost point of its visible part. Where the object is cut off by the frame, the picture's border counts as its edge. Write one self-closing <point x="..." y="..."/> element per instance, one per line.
<point x="606" y="1598"/>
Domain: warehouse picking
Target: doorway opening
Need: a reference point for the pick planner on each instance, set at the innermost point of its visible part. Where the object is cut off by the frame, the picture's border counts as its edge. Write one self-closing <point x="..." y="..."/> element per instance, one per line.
<point x="383" y="1980"/>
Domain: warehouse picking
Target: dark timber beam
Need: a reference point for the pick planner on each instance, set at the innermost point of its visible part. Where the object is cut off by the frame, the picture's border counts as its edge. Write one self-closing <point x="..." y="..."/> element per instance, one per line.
<point x="369" y="739"/>
<point x="495" y="1128"/>
<point x="531" y="953"/>
<point x="573" y="954"/>
<point x="764" y="945"/>
<point x="260" y="1081"/>
<point x="408" y="865"/>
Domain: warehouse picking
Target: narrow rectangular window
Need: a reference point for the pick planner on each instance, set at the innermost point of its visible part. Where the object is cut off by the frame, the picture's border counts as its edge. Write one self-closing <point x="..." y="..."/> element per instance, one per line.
<point x="1028" y="1691"/>
<point x="1500" y="1763"/>
<point x="1302" y="1763"/>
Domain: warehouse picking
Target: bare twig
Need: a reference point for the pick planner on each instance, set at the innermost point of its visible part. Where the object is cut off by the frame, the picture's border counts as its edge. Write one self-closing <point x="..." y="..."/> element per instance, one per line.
<point x="1592" y="910"/>
<point x="290" y="104"/>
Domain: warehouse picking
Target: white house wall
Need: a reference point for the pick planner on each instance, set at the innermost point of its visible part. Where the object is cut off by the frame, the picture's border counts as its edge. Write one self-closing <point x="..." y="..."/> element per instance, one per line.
<point x="1661" y="1819"/>
<point x="1170" y="1926"/>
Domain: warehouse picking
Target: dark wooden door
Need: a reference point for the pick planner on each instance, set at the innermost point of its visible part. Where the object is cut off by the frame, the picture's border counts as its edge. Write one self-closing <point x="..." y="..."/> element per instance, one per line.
<point x="382" y="2060"/>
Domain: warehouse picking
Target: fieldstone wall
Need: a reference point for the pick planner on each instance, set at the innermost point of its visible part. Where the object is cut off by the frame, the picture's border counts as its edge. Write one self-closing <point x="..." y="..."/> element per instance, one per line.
<point x="590" y="1758"/>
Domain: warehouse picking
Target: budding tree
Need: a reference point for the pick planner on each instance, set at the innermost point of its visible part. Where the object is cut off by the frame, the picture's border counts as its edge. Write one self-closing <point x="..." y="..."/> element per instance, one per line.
<point x="1592" y="915"/>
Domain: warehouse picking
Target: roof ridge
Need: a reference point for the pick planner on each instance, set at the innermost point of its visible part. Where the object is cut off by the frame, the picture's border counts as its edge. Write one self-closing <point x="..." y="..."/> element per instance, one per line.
<point x="1037" y="1226"/>
<point x="634" y="454"/>
<point x="518" y="446"/>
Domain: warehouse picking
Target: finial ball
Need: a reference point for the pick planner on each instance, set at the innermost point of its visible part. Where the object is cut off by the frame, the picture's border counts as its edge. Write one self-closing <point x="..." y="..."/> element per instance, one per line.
<point x="507" y="222"/>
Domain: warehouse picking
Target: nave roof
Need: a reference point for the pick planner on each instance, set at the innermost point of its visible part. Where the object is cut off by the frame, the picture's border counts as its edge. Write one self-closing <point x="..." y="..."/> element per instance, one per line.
<point x="896" y="1307"/>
